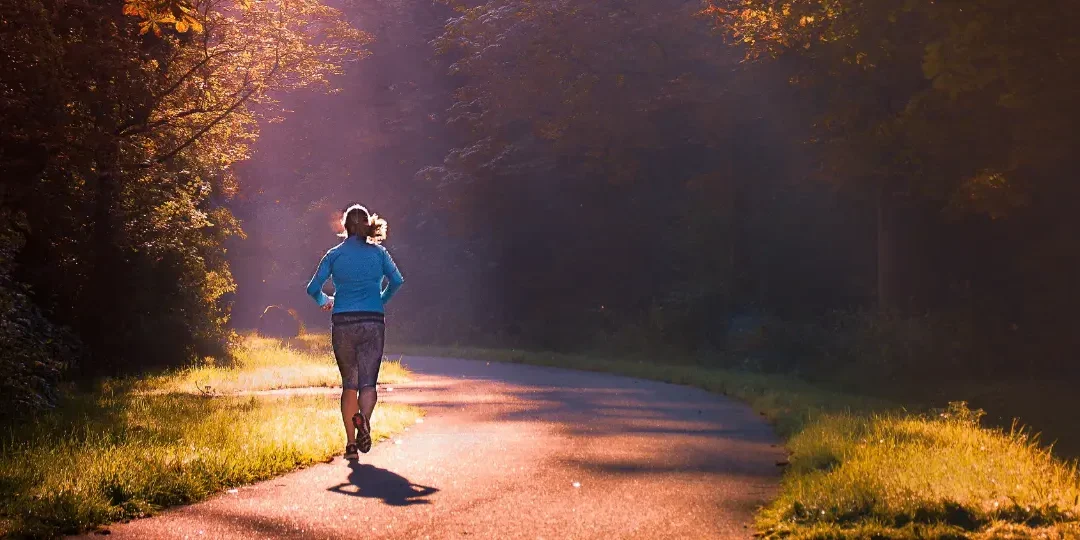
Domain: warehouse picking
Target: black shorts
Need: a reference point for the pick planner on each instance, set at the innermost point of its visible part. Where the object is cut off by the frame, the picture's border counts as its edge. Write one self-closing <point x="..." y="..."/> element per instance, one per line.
<point x="358" y="346"/>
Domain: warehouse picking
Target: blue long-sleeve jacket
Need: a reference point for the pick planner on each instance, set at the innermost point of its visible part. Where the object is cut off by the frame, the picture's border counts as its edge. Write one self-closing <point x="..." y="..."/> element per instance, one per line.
<point x="357" y="269"/>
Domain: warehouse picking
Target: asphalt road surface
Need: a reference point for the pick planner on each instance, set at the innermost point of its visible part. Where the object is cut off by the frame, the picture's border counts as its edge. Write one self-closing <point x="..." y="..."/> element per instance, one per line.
<point x="511" y="451"/>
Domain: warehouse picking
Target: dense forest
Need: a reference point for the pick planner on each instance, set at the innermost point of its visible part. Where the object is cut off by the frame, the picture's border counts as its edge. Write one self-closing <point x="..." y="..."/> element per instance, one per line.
<point x="123" y="123"/>
<point x="814" y="186"/>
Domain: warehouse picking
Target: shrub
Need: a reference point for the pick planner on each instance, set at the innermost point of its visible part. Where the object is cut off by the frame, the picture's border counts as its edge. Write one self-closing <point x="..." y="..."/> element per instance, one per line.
<point x="34" y="353"/>
<point x="861" y="345"/>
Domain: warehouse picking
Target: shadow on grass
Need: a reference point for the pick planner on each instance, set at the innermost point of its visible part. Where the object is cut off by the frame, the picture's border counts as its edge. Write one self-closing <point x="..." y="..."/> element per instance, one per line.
<point x="393" y="489"/>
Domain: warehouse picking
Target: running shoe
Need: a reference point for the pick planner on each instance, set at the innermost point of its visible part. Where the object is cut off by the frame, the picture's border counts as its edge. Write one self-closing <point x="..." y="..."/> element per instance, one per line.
<point x="363" y="432"/>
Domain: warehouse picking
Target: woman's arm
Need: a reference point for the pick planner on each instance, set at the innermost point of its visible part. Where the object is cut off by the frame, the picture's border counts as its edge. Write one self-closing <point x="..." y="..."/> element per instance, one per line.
<point x="393" y="275"/>
<point x="314" y="287"/>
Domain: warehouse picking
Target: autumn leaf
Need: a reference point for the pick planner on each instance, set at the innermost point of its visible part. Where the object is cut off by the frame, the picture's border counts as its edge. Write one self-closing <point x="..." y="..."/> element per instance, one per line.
<point x="132" y="8"/>
<point x="156" y="13"/>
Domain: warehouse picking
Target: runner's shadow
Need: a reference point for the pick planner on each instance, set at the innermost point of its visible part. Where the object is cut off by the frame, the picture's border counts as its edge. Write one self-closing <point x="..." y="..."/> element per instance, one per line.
<point x="375" y="483"/>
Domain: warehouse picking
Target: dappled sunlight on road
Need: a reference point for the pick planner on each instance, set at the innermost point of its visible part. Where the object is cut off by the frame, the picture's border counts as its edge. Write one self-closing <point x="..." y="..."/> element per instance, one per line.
<point x="511" y="451"/>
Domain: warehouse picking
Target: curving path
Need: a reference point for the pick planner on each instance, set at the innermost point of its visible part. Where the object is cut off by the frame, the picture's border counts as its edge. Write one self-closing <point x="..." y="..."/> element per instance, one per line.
<point x="512" y="451"/>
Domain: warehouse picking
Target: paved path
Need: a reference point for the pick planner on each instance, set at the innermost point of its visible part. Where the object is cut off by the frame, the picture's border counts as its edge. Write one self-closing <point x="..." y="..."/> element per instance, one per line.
<point x="511" y="451"/>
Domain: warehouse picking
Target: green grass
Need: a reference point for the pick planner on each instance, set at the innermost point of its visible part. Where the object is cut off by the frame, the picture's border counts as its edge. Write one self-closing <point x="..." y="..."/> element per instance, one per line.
<point x="862" y="467"/>
<point x="1046" y="403"/>
<point x="119" y="452"/>
<point x="905" y="475"/>
<point x="259" y="363"/>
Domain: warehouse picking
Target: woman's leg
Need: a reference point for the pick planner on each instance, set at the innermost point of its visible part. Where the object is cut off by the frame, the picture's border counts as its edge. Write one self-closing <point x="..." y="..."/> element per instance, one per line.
<point x="370" y="354"/>
<point x="345" y="340"/>
<point x="369" y="396"/>
<point x="349" y="407"/>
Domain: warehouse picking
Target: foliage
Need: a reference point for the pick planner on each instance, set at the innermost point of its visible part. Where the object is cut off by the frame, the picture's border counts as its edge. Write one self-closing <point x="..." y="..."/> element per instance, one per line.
<point x="157" y="13"/>
<point x="917" y="81"/>
<point x="956" y="117"/>
<point x="550" y="74"/>
<point x="34" y="353"/>
<point x="121" y="156"/>
<point x="609" y="175"/>
<point x="614" y="143"/>
<point x="865" y="347"/>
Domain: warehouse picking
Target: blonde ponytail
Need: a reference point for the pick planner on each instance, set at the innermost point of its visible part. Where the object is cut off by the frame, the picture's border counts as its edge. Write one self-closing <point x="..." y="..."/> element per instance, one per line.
<point x="357" y="221"/>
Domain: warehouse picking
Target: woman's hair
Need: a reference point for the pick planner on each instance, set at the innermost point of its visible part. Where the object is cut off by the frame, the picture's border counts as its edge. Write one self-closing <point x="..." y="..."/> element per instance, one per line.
<point x="357" y="221"/>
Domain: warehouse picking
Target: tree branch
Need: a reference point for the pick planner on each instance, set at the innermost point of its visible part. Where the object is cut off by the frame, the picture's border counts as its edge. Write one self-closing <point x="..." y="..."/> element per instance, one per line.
<point x="191" y="140"/>
<point x="150" y="126"/>
<point x="158" y="98"/>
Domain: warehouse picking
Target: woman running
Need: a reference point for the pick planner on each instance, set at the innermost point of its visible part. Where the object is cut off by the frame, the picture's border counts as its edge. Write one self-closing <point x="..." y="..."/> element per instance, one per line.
<point x="357" y="266"/>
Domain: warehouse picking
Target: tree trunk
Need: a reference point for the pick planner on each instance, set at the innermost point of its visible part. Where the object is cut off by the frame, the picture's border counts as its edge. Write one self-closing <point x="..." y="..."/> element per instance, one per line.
<point x="98" y="307"/>
<point x="886" y="286"/>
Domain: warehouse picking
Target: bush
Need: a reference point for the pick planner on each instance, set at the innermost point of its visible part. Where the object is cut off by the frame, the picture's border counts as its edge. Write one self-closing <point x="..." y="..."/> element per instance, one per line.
<point x="34" y="353"/>
<point x="861" y="346"/>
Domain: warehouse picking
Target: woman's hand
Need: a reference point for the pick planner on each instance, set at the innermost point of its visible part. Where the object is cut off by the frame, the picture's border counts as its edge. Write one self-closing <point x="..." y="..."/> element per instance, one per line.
<point x="329" y="306"/>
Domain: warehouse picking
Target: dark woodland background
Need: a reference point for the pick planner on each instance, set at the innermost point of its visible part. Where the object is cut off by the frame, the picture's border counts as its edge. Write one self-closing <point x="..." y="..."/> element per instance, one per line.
<point x="877" y="191"/>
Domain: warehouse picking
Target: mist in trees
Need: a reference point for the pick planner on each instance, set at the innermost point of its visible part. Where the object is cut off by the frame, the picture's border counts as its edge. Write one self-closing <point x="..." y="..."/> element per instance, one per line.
<point x="807" y="186"/>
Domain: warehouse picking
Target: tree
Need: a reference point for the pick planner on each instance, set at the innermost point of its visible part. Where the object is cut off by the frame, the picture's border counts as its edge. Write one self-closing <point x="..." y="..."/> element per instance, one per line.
<point x="592" y="131"/>
<point x="931" y="101"/>
<point x="126" y="141"/>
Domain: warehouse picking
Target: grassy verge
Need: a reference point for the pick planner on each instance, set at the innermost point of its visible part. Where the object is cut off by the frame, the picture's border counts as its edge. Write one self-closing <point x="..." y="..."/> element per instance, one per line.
<point x="137" y="452"/>
<point x="865" y="468"/>
<point x="259" y="363"/>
